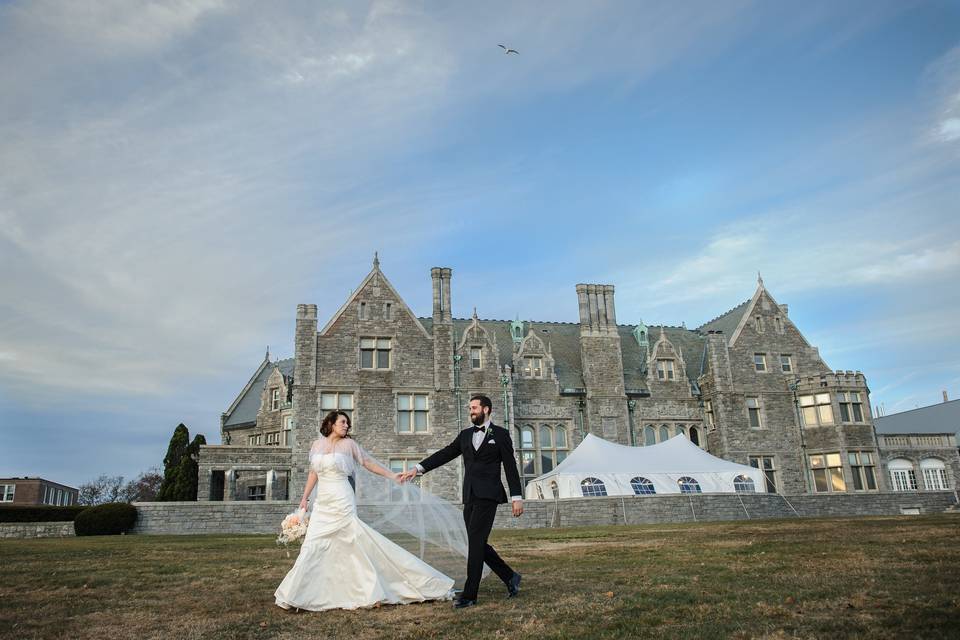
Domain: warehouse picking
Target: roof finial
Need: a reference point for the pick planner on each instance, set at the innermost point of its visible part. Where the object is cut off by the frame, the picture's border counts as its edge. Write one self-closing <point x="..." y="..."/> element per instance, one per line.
<point x="267" y="357"/>
<point x="759" y="279"/>
<point x="376" y="261"/>
<point x="475" y="314"/>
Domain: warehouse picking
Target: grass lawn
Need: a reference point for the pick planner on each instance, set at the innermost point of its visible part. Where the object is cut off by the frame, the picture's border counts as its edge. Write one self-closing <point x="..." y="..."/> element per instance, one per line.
<point x="817" y="578"/>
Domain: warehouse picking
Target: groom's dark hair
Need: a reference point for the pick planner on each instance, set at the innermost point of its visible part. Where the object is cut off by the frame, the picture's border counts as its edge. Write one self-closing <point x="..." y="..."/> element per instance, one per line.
<point x="484" y="401"/>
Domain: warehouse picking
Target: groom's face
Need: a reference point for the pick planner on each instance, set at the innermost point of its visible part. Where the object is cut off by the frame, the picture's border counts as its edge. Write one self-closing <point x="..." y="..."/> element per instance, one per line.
<point x="478" y="413"/>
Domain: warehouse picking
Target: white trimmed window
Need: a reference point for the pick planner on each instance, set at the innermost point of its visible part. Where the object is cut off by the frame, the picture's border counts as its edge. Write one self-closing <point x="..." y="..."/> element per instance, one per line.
<point x="476" y="358"/>
<point x="375" y="353"/>
<point x="642" y="486"/>
<point x="851" y="408"/>
<point x="273" y="439"/>
<point x="254" y="440"/>
<point x="816" y="410"/>
<point x="6" y="492"/>
<point x="827" y="471"/>
<point x="532" y="367"/>
<point x="760" y="361"/>
<point x="753" y="412"/>
<point x="274" y="399"/>
<point x="413" y="413"/>
<point x="593" y="488"/>
<point x="862" y="468"/>
<point x="934" y="474"/>
<point x="287" y="430"/>
<point x="744" y="484"/>
<point x="689" y="485"/>
<point x="902" y="475"/>
<point x="665" y="370"/>
<point x="786" y="363"/>
<point x="768" y="466"/>
<point x="335" y="401"/>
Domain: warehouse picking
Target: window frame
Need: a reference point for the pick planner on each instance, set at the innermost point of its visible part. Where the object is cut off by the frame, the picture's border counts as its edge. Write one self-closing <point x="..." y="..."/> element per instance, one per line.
<point x="758" y="409"/>
<point x="864" y="473"/>
<point x="476" y="363"/>
<point x="666" y="372"/>
<point x="376" y="350"/>
<point x="831" y="473"/>
<point x="8" y="490"/>
<point x="760" y="362"/>
<point x="591" y="487"/>
<point x="412" y="411"/>
<point x="786" y="367"/>
<point x="816" y="406"/>
<point x="530" y="371"/>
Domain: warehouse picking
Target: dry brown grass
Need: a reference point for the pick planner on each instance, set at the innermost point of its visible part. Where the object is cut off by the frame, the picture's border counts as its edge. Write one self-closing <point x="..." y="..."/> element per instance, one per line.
<point x="867" y="578"/>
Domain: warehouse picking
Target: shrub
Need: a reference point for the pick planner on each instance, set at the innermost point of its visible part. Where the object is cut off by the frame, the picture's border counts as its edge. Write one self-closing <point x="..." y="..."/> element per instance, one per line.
<point x="34" y="513"/>
<point x="106" y="519"/>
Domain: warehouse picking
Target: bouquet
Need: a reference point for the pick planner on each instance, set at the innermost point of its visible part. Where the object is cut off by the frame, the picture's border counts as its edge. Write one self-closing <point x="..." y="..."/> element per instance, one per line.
<point x="292" y="529"/>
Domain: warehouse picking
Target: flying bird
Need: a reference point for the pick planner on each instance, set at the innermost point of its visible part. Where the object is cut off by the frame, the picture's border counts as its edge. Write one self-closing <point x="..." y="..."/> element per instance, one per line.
<point x="508" y="51"/>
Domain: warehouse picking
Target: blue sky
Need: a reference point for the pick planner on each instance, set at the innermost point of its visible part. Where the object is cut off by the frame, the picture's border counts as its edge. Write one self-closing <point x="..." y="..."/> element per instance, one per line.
<point x="176" y="176"/>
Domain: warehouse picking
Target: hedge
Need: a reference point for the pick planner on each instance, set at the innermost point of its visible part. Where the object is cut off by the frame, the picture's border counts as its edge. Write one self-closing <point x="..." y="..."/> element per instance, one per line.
<point x="106" y="519"/>
<point x="40" y="513"/>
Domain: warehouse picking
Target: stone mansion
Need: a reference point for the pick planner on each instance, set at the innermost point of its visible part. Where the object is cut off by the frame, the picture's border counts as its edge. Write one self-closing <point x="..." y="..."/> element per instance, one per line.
<point x="746" y="386"/>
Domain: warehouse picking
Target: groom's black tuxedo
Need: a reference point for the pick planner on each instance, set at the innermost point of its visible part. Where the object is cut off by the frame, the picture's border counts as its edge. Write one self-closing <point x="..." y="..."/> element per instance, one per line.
<point x="482" y="492"/>
<point x="481" y="467"/>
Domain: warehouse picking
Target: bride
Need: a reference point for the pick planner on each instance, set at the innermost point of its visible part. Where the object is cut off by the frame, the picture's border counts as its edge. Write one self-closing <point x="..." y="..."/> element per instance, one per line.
<point x="345" y="563"/>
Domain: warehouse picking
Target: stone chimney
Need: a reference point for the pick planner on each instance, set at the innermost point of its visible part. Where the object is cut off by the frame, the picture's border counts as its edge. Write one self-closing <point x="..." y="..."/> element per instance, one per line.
<point x="598" y="316"/>
<point x="442" y="329"/>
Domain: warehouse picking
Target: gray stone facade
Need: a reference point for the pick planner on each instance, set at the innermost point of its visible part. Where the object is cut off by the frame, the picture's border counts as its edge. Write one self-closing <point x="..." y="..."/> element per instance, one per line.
<point x="746" y="386"/>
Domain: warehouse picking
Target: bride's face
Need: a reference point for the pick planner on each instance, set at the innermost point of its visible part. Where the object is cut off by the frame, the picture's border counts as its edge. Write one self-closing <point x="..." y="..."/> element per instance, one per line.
<point x="341" y="427"/>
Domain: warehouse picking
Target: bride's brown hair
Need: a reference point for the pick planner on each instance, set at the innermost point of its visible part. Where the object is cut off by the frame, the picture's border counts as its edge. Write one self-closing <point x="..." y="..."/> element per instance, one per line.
<point x="327" y="425"/>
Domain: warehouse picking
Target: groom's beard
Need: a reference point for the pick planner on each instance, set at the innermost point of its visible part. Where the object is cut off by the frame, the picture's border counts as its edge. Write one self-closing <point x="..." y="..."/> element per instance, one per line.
<point x="478" y="420"/>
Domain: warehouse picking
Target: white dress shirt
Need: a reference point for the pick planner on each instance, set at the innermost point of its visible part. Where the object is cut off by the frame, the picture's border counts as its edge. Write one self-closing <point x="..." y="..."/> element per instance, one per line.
<point x="478" y="437"/>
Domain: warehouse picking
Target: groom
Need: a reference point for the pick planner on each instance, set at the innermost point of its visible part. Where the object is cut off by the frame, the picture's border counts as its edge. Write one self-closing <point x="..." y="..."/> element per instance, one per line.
<point x="484" y="447"/>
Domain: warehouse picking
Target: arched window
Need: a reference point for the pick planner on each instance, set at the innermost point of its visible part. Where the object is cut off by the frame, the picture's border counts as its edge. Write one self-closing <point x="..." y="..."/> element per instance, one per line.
<point x="934" y="474"/>
<point x="664" y="433"/>
<point x="528" y="454"/>
<point x="547" y="454"/>
<point x="649" y="435"/>
<point x="902" y="475"/>
<point x="546" y="437"/>
<point x="681" y="430"/>
<point x="642" y="486"/>
<point x="744" y="484"/>
<point x="695" y="436"/>
<point x="591" y="487"/>
<point x="689" y="485"/>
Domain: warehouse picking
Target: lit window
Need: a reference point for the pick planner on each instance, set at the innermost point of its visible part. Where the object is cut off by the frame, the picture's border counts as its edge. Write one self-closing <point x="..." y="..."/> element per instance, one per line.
<point x="532" y="367"/>
<point x="593" y="488"/>
<point x="744" y="484"/>
<point x="766" y="464"/>
<point x="862" y="467"/>
<point x="375" y="353"/>
<point x="665" y="370"/>
<point x="689" y="485"/>
<point x="760" y="361"/>
<point x="851" y="409"/>
<point x="753" y="412"/>
<point x="816" y="410"/>
<point x="476" y="358"/>
<point x="413" y="413"/>
<point x="934" y="474"/>
<point x="642" y="486"/>
<point x="827" y="471"/>
<point x="786" y="363"/>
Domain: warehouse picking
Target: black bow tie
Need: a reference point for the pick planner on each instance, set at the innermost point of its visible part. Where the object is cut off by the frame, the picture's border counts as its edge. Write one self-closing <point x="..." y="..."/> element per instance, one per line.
<point x="483" y="429"/>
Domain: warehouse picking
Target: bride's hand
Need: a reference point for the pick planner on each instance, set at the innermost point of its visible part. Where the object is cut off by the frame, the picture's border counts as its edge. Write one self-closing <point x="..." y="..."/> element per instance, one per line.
<point x="303" y="505"/>
<point x="396" y="477"/>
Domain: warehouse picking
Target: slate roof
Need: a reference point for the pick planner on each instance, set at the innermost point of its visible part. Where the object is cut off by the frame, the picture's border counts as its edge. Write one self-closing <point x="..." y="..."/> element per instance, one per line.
<point x="937" y="418"/>
<point x="727" y="323"/>
<point x="245" y="413"/>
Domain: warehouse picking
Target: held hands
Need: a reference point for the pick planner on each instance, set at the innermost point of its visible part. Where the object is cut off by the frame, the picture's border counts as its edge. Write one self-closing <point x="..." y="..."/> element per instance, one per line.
<point x="406" y="475"/>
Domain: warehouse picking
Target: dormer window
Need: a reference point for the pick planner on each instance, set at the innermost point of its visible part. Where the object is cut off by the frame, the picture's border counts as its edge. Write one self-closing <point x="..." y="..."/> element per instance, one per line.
<point x="532" y="367"/>
<point x="476" y="358"/>
<point x="665" y="370"/>
<point x="274" y="399"/>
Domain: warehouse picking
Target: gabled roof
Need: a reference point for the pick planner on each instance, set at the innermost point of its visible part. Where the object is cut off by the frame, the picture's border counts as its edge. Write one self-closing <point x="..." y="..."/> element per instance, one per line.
<point x="382" y="279"/>
<point x="937" y="418"/>
<point x="243" y="411"/>
<point x="727" y="322"/>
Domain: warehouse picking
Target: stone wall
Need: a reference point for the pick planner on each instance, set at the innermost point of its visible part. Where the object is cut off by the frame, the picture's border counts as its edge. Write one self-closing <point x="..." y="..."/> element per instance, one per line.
<point x="36" y="530"/>
<point x="264" y="517"/>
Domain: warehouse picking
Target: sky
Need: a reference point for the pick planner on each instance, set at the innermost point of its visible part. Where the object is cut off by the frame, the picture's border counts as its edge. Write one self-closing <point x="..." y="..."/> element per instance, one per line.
<point x="175" y="177"/>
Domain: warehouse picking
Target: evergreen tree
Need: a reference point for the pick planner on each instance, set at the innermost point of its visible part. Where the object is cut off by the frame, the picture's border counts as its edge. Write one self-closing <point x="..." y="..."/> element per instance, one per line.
<point x="186" y="486"/>
<point x="176" y="451"/>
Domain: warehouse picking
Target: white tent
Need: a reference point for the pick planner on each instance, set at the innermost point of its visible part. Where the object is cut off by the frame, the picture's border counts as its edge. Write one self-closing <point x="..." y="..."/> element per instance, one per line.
<point x="599" y="467"/>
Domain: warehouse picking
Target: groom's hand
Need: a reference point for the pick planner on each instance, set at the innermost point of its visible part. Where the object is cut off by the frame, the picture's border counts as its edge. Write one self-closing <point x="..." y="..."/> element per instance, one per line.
<point x="517" y="508"/>
<point x="407" y="475"/>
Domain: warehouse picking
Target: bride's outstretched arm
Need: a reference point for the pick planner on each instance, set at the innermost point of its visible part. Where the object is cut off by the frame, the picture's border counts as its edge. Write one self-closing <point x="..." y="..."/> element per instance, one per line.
<point x="311" y="481"/>
<point x="373" y="467"/>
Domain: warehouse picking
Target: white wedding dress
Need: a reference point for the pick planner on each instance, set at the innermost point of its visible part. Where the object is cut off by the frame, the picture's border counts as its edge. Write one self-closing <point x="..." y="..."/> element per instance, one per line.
<point x="344" y="563"/>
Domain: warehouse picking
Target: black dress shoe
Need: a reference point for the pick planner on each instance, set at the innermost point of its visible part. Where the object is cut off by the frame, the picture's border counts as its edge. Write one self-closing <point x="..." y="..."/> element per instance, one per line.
<point x="513" y="587"/>
<point x="463" y="603"/>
